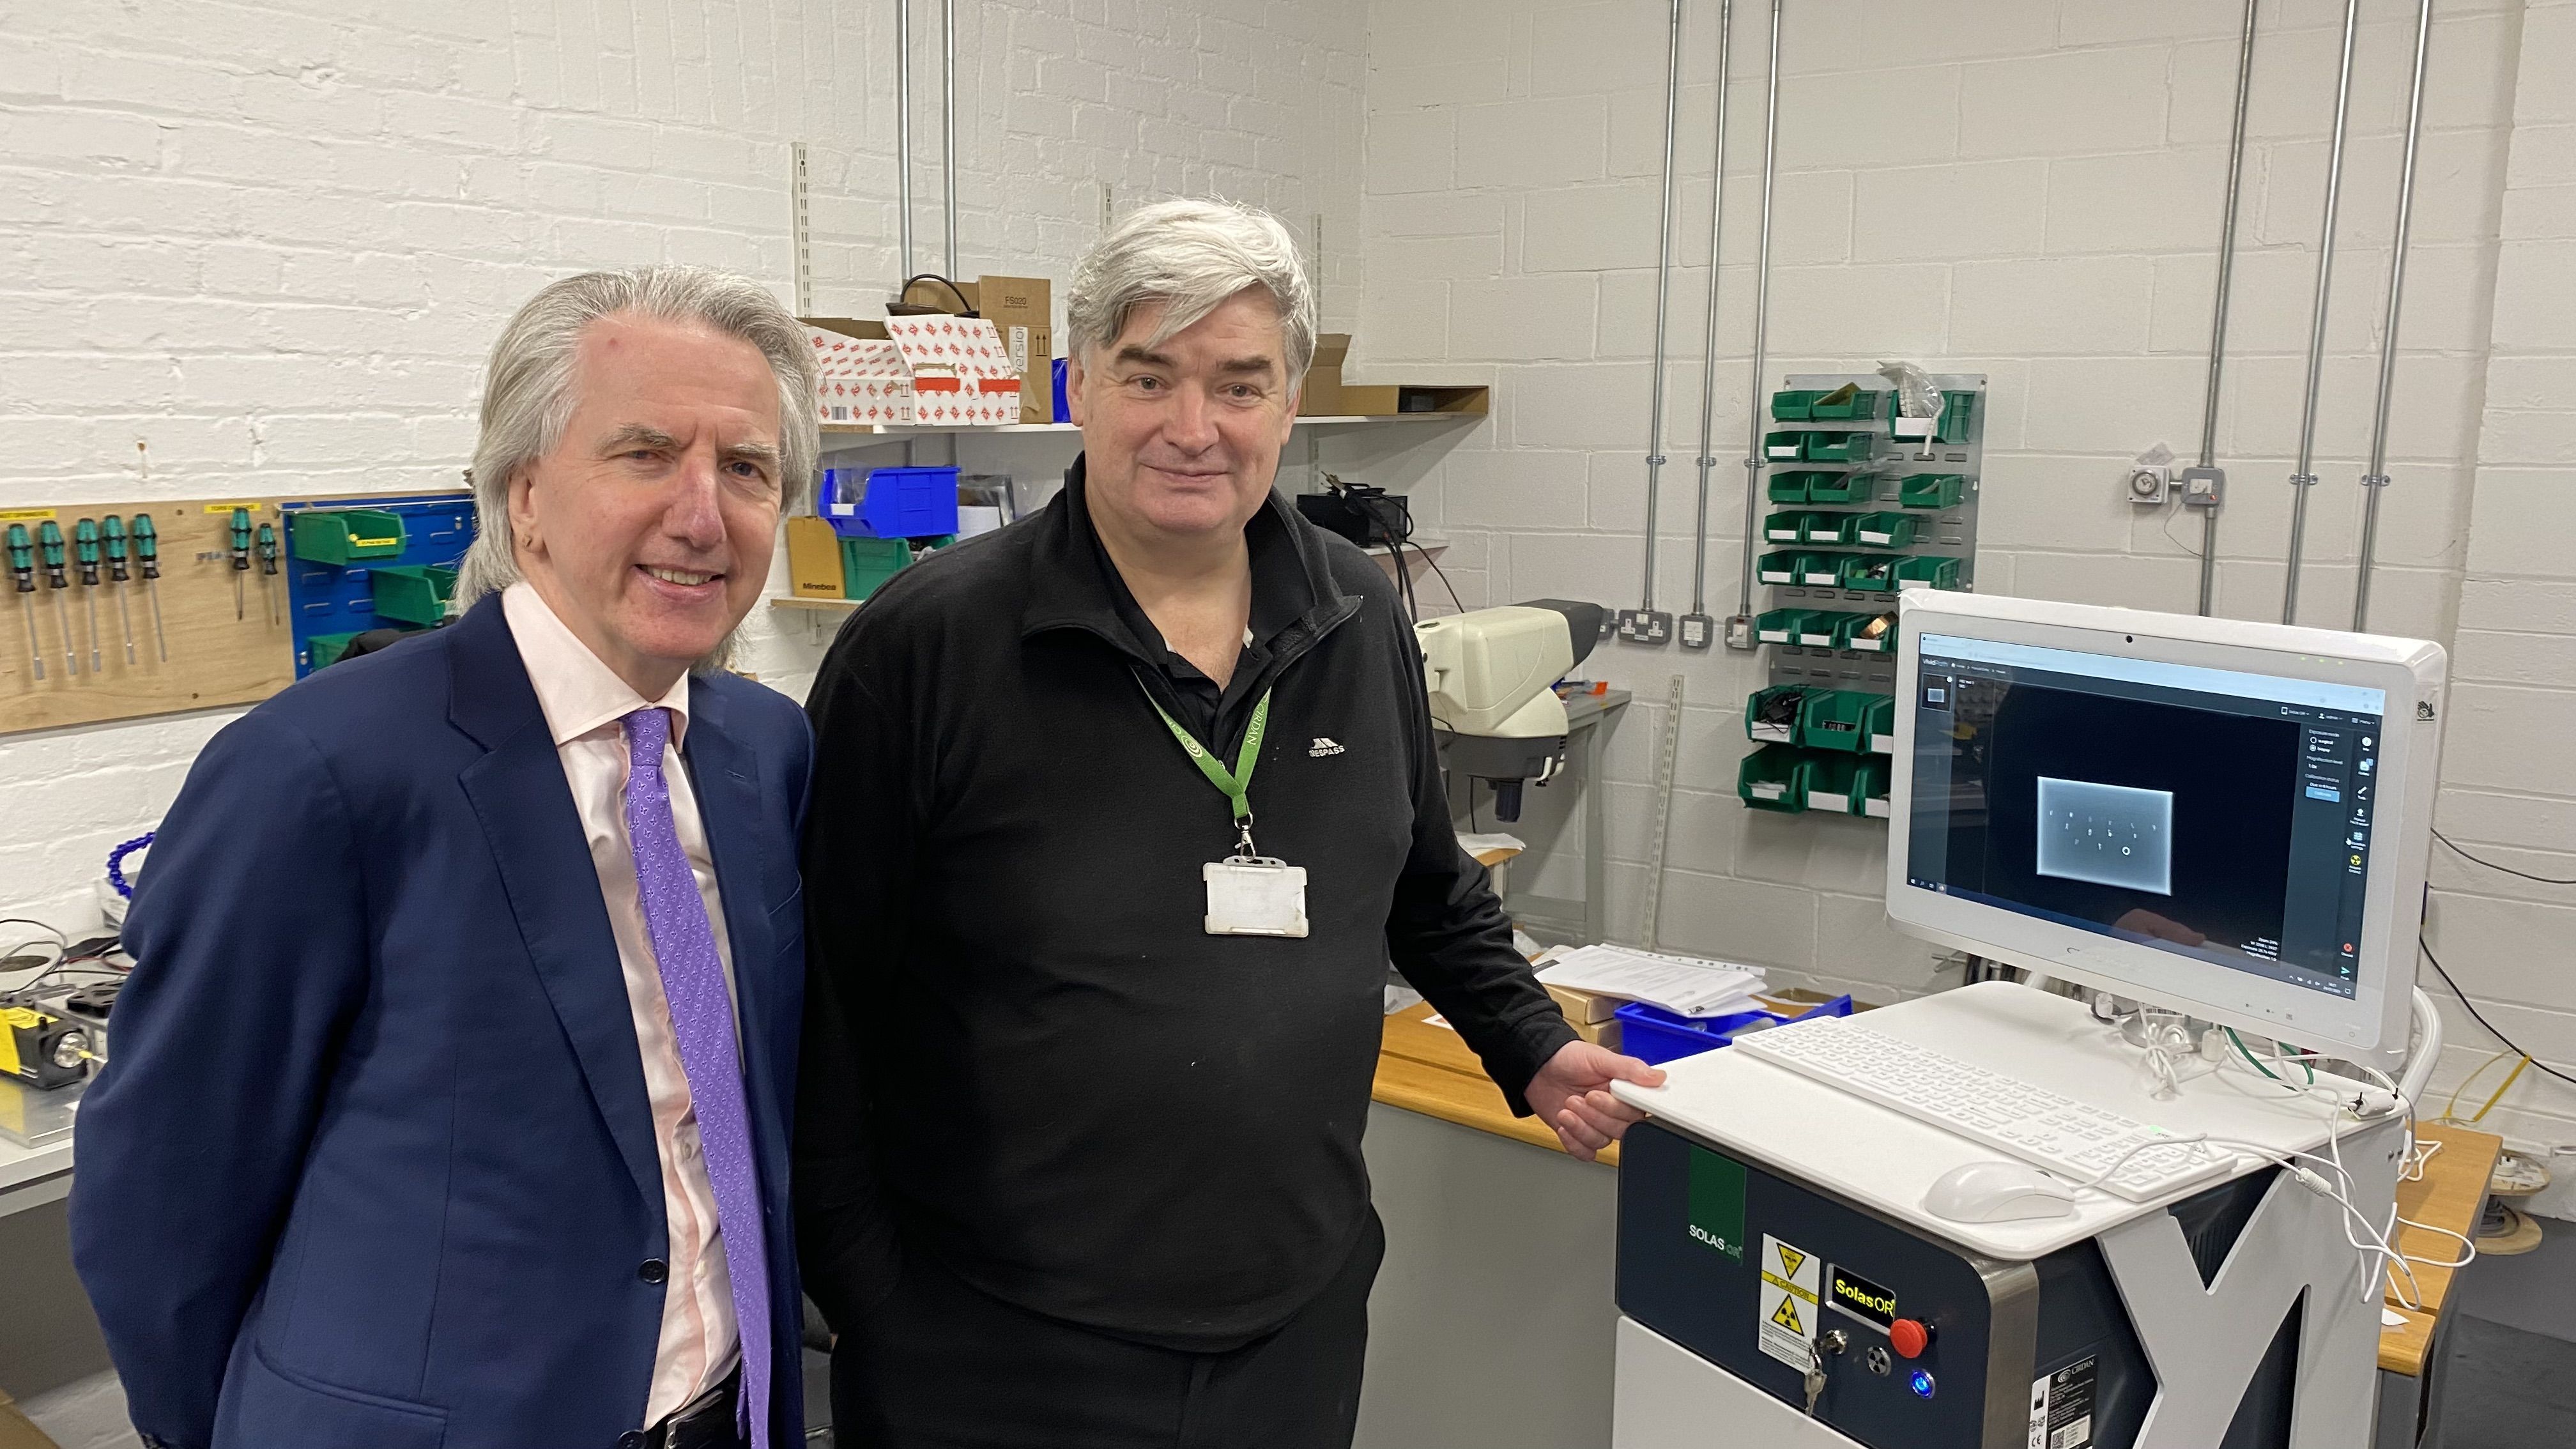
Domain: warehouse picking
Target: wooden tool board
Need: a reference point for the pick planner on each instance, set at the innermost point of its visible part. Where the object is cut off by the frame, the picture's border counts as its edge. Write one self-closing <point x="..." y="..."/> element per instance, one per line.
<point x="215" y="659"/>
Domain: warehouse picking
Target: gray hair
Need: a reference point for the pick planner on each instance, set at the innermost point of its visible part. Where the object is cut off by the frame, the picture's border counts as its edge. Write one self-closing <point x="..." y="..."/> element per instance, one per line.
<point x="528" y="390"/>
<point x="1190" y="256"/>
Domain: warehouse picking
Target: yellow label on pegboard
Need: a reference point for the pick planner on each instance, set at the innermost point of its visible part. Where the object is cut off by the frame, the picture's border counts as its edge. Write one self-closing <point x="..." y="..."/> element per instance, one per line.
<point x="27" y="515"/>
<point x="253" y="504"/>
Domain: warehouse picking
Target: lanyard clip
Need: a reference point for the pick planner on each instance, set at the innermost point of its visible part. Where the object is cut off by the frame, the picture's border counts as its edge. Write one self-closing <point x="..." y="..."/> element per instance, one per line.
<point x="1243" y="827"/>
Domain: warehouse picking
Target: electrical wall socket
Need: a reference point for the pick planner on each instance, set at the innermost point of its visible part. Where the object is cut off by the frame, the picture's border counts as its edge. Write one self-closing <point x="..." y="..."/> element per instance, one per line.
<point x="1645" y="626"/>
<point x="1739" y="633"/>
<point x="1698" y="631"/>
<point x="2203" y="487"/>
<point x="2147" y="485"/>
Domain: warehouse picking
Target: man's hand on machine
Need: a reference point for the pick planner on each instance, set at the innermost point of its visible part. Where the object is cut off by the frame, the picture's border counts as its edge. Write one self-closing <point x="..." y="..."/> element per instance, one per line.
<point x="1572" y="1095"/>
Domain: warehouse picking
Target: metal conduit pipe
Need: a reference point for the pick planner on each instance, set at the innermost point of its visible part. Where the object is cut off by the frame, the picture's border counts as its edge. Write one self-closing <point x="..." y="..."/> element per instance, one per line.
<point x="2218" y="318"/>
<point x="2374" y="483"/>
<point x="1663" y="291"/>
<point x="948" y="120"/>
<point x="1708" y="340"/>
<point x="2305" y="478"/>
<point x="1743" y="623"/>
<point x="903" y="127"/>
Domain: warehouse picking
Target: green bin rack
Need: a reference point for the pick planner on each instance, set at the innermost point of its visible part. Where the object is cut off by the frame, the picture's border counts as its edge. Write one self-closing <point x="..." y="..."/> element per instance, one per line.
<point x="1781" y="568"/>
<point x="1932" y="490"/>
<point x="344" y="536"/>
<point x="1784" y="447"/>
<point x="1785" y="528"/>
<point x="1940" y="573"/>
<point x="1862" y="406"/>
<point x="1785" y="703"/>
<point x="1782" y="626"/>
<point x="1799" y="486"/>
<point x="1842" y="487"/>
<point x="1793" y="405"/>
<point x="1958" y="415"/>
<point x="1867" y="633"/>
<point x="1840" y="447"/>
<point x="1774" y="777"/>
<point x="1883" y="530"/>
<point x="411" y="593"/>
<point x="1871" y="572"/>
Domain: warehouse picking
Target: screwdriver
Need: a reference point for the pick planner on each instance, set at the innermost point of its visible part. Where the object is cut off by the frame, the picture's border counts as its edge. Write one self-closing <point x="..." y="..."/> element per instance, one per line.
<point x="85" y="552"/>
<point x="49" y="542"/>
<point x="112" y="528"/>
<point x="147" y="552"/>
<point x="268" y="568"/>
<point x="241" y="556"/>
<point x="22" y="570"/>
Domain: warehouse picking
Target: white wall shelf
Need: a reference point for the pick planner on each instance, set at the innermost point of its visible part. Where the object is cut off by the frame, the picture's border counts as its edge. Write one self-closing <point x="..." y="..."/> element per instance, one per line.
<point x="871" y="431"/>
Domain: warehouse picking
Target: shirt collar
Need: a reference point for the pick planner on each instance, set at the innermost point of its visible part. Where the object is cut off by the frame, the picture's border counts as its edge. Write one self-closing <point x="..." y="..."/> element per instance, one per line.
<point x="578" y="692"/>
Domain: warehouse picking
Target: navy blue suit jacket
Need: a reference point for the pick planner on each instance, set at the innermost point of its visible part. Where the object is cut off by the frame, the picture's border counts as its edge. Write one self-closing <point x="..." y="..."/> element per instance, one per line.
<point x="372" y="1164"/>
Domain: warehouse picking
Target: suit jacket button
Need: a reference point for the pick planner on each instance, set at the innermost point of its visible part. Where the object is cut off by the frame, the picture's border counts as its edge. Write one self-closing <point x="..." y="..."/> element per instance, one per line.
<point x="631" y="1439"/>
<point x="653" y="1271"/>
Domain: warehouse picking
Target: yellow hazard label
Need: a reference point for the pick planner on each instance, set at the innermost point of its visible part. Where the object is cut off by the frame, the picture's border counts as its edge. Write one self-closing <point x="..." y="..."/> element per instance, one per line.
<point x="1787" y="1316"/>
<point x="1790" y="1261"/>
<point x="253" y="504"/>
<point x="27" y="515"/>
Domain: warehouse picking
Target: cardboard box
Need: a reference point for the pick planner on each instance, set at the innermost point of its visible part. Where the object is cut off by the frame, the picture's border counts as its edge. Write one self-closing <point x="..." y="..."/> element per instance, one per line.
<point x="1323" y="397"/>
<point x="1022" y="309"/>
<point x="813" y="559"/>
<point x="937" y="370"/>
<point x="860" y="376"/>
<point x="1585" y="1008"/>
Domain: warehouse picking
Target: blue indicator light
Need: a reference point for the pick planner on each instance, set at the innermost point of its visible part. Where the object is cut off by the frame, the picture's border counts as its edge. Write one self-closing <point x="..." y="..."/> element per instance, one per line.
<point x="1922" y="1384"/>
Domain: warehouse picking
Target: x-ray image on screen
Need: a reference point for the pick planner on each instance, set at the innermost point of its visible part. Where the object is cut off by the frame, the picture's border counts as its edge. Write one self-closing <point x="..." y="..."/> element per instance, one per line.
<point x="2113" y="835"/>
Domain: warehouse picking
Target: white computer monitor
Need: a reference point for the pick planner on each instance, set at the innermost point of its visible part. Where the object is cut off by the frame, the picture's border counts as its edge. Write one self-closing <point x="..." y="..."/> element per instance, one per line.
<point x="2217" y="816"/>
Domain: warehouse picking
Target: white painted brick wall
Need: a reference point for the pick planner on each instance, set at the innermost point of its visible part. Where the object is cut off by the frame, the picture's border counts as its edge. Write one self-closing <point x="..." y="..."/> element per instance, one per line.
<point x="2030" y="189"/>
<point x="274" y="239"/>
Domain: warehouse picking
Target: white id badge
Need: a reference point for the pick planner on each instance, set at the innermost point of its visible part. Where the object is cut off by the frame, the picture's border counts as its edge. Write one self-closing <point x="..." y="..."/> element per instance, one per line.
<point x="1255" y="896"/>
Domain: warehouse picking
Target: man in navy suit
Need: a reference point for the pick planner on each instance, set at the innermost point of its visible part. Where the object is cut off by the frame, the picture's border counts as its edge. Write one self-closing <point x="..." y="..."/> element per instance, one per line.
<point x="448" y="1107"/>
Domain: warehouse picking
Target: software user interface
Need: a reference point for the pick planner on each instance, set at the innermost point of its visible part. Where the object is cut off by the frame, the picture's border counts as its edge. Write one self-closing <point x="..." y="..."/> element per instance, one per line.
<point x="2219" y="815"/>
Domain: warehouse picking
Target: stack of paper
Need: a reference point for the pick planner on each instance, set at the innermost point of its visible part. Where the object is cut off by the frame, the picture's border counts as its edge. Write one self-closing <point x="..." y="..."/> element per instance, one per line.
<point x="1683" y="984"/>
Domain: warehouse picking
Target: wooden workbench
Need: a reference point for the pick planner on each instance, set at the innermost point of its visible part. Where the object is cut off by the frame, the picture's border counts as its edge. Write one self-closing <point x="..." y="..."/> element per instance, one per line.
<point x="2451" y="1194"/>
<point x="1428" y="1069"/>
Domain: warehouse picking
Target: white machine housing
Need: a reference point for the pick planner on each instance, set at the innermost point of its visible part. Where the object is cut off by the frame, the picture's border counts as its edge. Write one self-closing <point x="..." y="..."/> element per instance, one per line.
<point x="2372" y="1026"/>
<point x="1489" y="672"/>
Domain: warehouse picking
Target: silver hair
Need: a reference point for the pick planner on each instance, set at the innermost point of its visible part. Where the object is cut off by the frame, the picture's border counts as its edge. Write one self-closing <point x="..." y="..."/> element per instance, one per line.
<point x="1190" y="256"/>
<point x="528" y="391"/>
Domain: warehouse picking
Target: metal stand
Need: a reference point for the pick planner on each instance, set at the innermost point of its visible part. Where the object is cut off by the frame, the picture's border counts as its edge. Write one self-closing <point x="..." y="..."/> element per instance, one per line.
<point x="1587" y="920"/>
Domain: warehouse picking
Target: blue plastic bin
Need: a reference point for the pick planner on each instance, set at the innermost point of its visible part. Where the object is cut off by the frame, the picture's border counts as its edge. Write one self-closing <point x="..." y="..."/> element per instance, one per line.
<point x="890" y="502"/>
<point x="1055" y="380"/>
<point x="1652" y="1034"/>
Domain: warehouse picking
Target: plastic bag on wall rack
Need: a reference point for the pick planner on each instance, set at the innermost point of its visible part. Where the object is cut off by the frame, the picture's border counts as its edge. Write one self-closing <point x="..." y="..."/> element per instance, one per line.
<point x="1916" y="397"/>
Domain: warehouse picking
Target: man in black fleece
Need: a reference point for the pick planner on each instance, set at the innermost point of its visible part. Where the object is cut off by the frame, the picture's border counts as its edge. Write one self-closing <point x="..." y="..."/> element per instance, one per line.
<point x="1078" y="1143"/>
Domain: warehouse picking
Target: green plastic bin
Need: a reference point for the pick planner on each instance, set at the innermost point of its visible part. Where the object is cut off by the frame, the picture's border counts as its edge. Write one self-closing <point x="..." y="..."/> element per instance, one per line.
<point x="1781" y="568"/>
<point x="1940" y="573"/>
<point x="326" y="649"/>
<point x="1772" y="714"/>
<point x="1837" y="719"/>
<point x="1862" y="406"/>
<point x="1829" y="782"/>
<point x="1784" y="447"/>
<point x="1831" y="530"/>
<point x="1841" y="447"/>
<point x="1774" y="777"/>
<point x="1870" y="777"/>
<point x="1822" y="571"/>
<point x="1932" y="490"/>
<point x="1792" y="405"/>
<point x="344" y="536"/>
<point x="1842" y="487"/>
<point x="1785" y="528"/>
<point x="1958" y="417"/>
<point x="867" y="563"/>
<point x="1818" y="631"/>
<point x="1781" y="626"/>
<point x="1800" y="485"/>
<point x="1866" y="633"/>
<point x="1883" y="529"/>
<point x="411" y="593"/>
<point x="1871" y="572"/>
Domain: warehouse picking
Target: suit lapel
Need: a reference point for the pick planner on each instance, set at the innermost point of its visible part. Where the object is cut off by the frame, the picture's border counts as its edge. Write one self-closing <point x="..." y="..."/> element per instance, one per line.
<point x="520" y="797"/>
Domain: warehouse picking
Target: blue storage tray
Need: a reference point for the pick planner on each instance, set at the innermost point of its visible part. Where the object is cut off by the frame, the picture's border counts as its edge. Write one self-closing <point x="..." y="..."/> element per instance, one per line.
<point x="1652" y="1034"/>
<point x="893" y="502"/>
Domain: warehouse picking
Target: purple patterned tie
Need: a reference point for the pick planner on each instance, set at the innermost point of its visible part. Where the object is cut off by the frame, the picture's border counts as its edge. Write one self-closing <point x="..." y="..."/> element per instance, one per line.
<point x="693" y="980"/>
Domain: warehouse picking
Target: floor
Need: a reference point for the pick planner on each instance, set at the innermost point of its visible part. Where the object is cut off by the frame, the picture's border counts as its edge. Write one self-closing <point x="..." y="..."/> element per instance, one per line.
<point x="2506" y="1373"/>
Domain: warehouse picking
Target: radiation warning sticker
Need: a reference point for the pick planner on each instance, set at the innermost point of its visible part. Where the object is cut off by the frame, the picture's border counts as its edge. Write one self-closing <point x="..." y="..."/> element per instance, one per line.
<point x="1786" y="1329"/>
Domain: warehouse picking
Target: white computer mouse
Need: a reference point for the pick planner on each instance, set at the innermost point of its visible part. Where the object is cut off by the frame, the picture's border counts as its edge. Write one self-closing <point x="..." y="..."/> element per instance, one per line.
<point x="1998" y="1192"/>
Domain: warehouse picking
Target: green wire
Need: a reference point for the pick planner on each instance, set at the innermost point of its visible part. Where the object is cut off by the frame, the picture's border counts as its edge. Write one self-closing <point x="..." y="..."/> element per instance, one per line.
<point x="2249" y="1055"/>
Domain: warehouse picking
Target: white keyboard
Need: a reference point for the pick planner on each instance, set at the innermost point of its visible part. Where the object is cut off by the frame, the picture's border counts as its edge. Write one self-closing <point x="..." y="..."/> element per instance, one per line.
<point x="2070" y="1138"/>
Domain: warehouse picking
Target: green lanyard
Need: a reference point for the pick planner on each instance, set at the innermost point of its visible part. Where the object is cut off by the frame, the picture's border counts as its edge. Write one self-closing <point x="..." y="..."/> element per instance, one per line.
<point x="1237" y="785"/>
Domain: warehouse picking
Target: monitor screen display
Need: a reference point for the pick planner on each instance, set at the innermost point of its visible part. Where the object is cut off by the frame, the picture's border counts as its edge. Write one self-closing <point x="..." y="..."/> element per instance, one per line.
<point x="2218" y="815"/>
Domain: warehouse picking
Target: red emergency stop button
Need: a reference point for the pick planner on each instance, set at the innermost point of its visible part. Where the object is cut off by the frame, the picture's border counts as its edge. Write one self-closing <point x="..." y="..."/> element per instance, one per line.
<point x="1908" y="1338"/>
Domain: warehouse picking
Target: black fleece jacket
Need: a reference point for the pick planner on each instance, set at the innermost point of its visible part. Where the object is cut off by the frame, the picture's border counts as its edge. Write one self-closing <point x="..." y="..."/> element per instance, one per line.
<point x="1024" y="1055"/>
